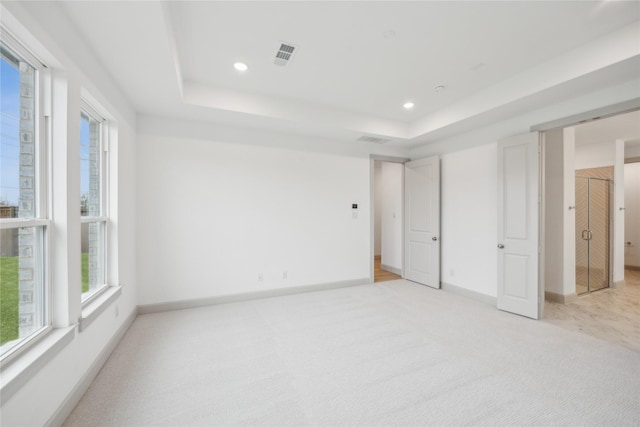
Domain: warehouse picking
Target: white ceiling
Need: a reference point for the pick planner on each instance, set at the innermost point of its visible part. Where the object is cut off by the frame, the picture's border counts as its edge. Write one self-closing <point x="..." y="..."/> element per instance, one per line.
<point x="358" y="62"/>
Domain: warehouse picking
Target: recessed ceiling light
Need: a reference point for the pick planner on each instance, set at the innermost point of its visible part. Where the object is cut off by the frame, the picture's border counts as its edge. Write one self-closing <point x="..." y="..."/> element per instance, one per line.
<point x="439" y="88"/>
<point x="408" y="105"/>
<point x="240" y="66"/>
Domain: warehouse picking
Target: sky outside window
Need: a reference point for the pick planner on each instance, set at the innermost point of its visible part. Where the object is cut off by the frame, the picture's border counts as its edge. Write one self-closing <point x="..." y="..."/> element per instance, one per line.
<point x="84" y="156"/>
<point x="9" y="132"/>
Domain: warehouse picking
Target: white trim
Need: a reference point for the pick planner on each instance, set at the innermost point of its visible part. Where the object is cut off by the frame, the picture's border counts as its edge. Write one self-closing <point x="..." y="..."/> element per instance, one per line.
<point x="98" y="303"/>
<point x="542" y="221"/>
<point x="86" y="298"/>
<point x="560" y="298"/>
<point x="224" y="299"/>
<point x="8" y="223"/>
<point x="17" y="373"/>
<point x="9" y="40"/>
<point x="598" y="113"/>
<point x="90" y="219"/>
<point x="72" y="399"/>
<point x="372" y="191"/>
<point x="89" y="110"/>
<point x="390" y="159"/>
<point x="23" y="344"/>
<point x="372" y="219"/>
<point x="477" y="296"/>
<point x="618" y="284"/>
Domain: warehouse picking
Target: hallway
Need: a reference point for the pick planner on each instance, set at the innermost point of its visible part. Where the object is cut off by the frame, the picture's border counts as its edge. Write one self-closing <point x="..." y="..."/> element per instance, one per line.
<point x="380" y="275"/>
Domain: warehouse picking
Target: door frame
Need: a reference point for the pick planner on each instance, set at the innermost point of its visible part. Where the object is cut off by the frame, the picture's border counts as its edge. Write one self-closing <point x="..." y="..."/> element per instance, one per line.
<point x="542" y="202"/>
<point x="562" y="123"/>
<point x="372" y="194"/>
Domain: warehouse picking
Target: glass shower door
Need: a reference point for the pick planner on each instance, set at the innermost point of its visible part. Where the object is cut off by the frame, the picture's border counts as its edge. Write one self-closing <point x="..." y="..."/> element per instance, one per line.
<point x="582" y="237"/>
<point x="599" y="234"/>
<point x="593" y="198"/>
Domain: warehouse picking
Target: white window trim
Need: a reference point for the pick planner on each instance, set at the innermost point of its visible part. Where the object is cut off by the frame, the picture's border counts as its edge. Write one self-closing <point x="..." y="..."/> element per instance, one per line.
<point x="8" y="223"/>
<point x="93" y="301"/>
<point x="42" y="180"/>
<point x="17" y="371"/>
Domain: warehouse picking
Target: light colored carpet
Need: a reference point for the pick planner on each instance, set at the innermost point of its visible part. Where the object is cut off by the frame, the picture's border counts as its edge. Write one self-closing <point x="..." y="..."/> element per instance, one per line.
<point x="393" y="353"/>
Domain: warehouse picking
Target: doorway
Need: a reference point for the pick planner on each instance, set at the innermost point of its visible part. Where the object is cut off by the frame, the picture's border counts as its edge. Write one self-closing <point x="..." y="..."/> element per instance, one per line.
<point x="589" y="204"/>
<point x="387" y="194"/>
<point x="593" y="230"/>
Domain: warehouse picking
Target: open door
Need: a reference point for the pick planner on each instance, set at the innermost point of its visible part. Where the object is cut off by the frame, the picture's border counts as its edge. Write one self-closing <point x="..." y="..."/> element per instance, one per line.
<point x="422" y="221"/>
<point x="518" y="224"/>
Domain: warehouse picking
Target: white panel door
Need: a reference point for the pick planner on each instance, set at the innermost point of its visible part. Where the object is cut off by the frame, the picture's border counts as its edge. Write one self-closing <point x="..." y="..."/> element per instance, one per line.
<point x="518" y="216"/>
<point x="422" y="221"/>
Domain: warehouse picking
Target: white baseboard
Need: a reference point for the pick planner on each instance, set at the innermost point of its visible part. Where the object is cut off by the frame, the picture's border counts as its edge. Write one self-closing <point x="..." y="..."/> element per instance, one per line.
<point x="486" y="299"/>
<point x="560" y="298"/>
<point x="390" y="269"/>
<point x="224" y="299"/>
<point x="63" y="412"/>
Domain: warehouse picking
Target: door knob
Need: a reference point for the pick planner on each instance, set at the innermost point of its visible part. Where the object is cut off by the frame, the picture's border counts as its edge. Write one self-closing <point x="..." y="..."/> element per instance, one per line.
<point x="500" y="246"/>
<point x="434" y="238"/>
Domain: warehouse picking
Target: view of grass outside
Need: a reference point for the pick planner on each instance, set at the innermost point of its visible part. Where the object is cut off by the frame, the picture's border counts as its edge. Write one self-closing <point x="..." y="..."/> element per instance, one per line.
<point x="85" y="272"/>
<point x="8" y="299"/>
<point x="9" y="295"/>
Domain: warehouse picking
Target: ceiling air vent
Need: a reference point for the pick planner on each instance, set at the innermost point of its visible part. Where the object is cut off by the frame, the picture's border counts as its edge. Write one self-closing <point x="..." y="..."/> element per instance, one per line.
<point x="284" y="54"/>
<point x="374" y="139"/>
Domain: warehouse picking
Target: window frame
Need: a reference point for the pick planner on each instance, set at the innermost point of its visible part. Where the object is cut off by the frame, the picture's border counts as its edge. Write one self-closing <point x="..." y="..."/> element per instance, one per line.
<point x="86" y="298"/>
<point x="42" y="197"/>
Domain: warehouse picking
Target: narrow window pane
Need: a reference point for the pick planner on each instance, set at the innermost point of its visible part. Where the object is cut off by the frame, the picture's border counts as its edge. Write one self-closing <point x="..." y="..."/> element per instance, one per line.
<point x="22" y="292"/>
<point x="17" y="137"/>
<point x="93" y="234"/>
<point x="93" y="276"/>
<point x="90" y="171"/>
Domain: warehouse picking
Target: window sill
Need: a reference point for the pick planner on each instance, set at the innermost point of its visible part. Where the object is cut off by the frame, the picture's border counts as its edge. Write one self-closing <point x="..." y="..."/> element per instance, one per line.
<point x="19" y="371"/>
<point x="91" y="311"/>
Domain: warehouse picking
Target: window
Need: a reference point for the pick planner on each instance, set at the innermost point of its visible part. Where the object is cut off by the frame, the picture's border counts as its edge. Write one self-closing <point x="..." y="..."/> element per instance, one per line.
<point x="92" y="203"/>
<point x="23" y="213"/>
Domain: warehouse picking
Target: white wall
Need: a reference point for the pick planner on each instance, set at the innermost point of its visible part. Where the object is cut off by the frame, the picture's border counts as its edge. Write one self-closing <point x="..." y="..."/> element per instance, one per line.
<point x="392" y="208"/>
<point x="378" y="195"/>
<point x="469" y="219"/>
<point x="632" y="214"/>
<point x="631" y="150"/>
<point x="214" y="215"/>
<point x="50" y="35"/>
<point x="595" y="155"/>
<point x="569" y="216"/>
<point x="618" y="213"/>
<point x="559" y="239"/>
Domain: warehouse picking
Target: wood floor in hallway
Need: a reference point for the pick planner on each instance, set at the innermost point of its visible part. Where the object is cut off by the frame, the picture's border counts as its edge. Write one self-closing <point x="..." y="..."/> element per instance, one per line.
<point x="610" y="314"/>
<point x="380" y="275"/>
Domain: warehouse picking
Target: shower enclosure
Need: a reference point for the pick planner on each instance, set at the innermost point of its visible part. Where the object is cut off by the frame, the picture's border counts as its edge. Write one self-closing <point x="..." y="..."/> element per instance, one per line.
<point x="593" y="233"/>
